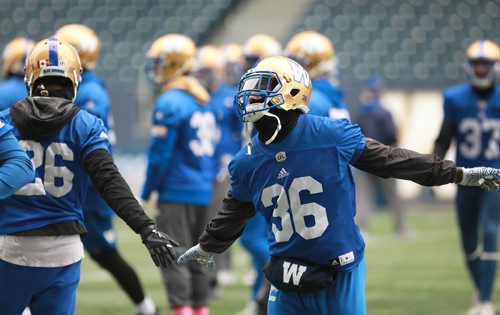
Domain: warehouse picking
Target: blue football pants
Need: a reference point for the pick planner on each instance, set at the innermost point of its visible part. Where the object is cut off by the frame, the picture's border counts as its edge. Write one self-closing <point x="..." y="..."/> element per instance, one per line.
<point x="345" y="297"/>
<point x="479" y="220"/>
<point x="47" y="291"/>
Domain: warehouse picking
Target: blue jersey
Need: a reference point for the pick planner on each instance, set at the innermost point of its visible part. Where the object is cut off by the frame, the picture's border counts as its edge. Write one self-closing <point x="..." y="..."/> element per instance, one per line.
<point x="476" y="123"/>
<point x="180" y="157"/>
<point x="16" y="167"/>
<point x="4" y="127"/>
<point x="60" y="184"/>
<point x="12" y="91"/>
<point x="338" y="108"/>
<point x="92" y="97"/>
<point x="319" y="104"/>
<point x="230" y="127"/>
<point x="309" y="210"/>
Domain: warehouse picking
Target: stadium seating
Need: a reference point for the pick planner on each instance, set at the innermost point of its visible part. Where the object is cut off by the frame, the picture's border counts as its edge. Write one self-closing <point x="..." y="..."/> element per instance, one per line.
<point x="416" y="43"/>
<point x="125" y="27"/>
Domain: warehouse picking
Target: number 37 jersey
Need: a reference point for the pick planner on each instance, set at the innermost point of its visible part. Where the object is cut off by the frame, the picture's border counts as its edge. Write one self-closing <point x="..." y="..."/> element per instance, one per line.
<point x="476" y="123"/>
<point x="304" y="189"/>
<point x="60" y="185"/>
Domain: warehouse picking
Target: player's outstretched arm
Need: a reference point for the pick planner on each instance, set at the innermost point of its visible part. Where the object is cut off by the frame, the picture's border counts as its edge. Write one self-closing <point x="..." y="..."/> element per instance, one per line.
<point x="117" y="194"/>
<point x="424" y="169"/>
<point x="221" y="232"/>
<point x="16" y="169"/>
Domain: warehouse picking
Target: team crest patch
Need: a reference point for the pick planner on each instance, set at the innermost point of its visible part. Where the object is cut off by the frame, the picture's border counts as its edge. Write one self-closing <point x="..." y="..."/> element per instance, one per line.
<point x="280" y="156"/>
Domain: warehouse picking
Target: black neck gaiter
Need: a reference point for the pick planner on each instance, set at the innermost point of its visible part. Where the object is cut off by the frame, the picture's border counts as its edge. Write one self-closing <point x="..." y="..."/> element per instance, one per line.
<point x="266" y="126"/>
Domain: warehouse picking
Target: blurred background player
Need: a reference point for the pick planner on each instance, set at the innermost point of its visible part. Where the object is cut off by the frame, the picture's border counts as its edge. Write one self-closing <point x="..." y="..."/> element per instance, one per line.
<point x="230" y="142"/>
<point x="180" y="164"/>
<point x="376" y="122"/>
<point x="13" y="88"/>
<point x="254" y="236"/>
<point x="100" y="240"/>
<point x="315" y="52"/>
<point x="40" y="246"/>
<point x="211" y="66"/>
<point x="472" y="117"/>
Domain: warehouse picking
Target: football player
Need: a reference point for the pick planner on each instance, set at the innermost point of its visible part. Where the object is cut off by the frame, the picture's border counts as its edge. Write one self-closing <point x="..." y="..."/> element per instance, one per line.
<point x="180" y="164"/>
<point x="100" y="240"/>
<point x="315" y="52"/>
<point x="40" y="246"/>
<point x="376" y="122"/>
<point x="254" y="236"/>
<point x="472" y="117"/>
<point x="13" y="88"/>
<point x="16" y="169"/>
<point x="298" y="177"/>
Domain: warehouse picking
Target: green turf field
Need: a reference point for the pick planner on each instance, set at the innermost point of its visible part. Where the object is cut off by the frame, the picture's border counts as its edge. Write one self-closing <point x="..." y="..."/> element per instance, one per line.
<point x="423" y="275"/>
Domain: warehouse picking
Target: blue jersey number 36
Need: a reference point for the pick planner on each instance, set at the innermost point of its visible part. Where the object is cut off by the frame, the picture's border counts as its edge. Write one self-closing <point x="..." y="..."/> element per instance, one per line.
<point x="298" y="210"/>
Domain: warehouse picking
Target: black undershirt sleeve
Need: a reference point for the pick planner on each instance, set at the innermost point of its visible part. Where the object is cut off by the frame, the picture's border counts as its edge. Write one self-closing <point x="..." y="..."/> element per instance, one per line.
<point x="424" y="169"/>
<point x="114" y="190"/>
<point x="227" y="226"/>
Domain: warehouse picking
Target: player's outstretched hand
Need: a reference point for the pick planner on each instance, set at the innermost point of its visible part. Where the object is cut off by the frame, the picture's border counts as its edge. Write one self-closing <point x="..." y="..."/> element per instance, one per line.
<point x="485" y="177"/>
<point x="199" y="255"/>
<point x="160" y="246"/>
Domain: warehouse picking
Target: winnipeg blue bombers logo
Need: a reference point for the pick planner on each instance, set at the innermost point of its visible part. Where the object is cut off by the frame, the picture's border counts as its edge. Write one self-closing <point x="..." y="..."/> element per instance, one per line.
<point x="293" y="272"/>
<point x="299" y="74"/>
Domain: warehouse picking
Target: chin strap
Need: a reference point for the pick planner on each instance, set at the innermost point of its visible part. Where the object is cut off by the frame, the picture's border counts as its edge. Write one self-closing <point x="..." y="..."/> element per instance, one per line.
<point x="270" y="140"/>
<point x="249" y="140"/>
<point x="278" y="128"/>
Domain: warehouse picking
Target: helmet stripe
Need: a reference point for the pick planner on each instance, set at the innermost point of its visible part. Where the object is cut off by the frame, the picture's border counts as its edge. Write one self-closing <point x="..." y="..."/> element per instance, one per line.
<point x="53" y="56"/>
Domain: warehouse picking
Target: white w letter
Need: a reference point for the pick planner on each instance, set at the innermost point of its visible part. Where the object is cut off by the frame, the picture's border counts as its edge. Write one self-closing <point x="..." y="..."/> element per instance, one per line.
<point x="290" y="271"/>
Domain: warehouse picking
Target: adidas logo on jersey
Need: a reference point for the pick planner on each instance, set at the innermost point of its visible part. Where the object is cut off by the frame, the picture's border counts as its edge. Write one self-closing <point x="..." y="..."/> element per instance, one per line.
<point x="282" y="173"/>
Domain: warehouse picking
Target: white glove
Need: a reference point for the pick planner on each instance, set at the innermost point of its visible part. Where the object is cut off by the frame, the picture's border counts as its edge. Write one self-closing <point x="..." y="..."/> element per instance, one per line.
<point x="485" y="177"/>
<point x="199" y="255"/>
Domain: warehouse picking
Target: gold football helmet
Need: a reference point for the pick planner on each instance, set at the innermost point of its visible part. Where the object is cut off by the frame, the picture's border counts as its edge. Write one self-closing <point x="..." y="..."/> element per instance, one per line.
<point x="314" y="51"/>
<point x="258" y="47"/>
<point x="482" y="58"/>
<point x="208" y="66"/>
<point x="85" y="41"/>
<point x="273" y="82"/>
<point x="51" y="57"/>
<point x="208" y="57"/>
<point x="169" y="56"/>
<point x="14" y="56"/>
<point x="231" y="58"/>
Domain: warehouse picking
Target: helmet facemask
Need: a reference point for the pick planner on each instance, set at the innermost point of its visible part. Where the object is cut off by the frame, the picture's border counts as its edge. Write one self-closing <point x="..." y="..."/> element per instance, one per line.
<point x="481" y="72"/>
<point x="258" y="92"/>
<point x="481" y="63"/>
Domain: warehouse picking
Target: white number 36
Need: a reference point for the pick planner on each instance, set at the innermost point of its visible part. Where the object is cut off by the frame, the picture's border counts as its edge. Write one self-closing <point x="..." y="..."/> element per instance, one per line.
<point x="298" y="210"/>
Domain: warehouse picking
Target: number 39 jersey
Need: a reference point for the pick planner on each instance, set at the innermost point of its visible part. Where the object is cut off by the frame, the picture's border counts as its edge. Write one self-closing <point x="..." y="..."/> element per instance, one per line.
<point x="304" y="189"/>
<point x="60" y="185"/>
<point x="476" y="123"/>
<point x="186" y="177"/>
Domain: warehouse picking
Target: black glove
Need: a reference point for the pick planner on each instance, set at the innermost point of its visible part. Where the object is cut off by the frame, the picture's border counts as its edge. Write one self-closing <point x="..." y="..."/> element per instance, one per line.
<point x="160" y="246"/>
